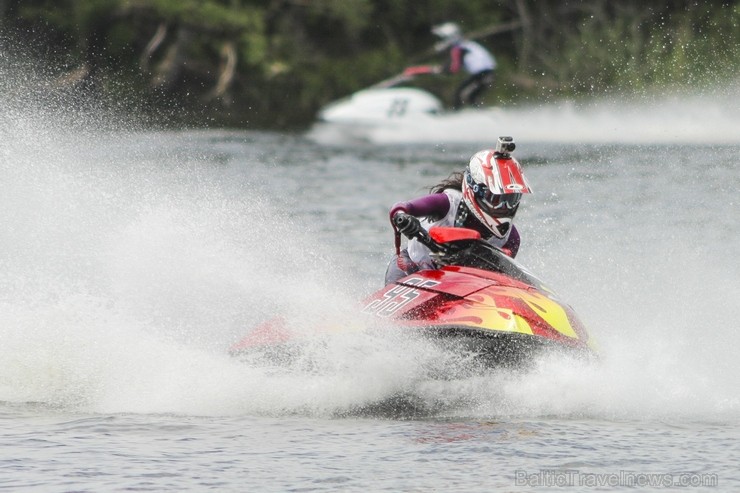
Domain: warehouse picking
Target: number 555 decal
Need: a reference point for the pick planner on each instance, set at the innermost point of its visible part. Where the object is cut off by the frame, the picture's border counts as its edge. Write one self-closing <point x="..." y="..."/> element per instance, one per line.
<point x="397" y="297"/>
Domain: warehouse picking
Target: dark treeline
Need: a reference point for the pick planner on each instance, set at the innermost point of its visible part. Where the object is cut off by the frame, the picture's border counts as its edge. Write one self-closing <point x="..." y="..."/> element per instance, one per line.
<point x="275" y="62"/>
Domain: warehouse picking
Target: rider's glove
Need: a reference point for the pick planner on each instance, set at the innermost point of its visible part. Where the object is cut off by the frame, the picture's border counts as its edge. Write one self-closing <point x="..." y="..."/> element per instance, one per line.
<point x="406" y="224"/>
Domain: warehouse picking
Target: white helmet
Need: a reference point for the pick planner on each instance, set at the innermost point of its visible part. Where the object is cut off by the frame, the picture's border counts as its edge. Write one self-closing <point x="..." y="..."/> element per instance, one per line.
<point x="493" y="184"/>
<point x="449" y="32"/>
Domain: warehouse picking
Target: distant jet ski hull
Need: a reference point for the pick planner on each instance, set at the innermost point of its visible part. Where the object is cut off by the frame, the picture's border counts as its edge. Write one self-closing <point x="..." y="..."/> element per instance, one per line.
<point x="382" y="105"/>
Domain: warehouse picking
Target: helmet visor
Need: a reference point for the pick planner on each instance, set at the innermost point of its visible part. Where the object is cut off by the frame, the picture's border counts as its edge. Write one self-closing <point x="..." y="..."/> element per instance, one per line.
<point x="498" y="205"/>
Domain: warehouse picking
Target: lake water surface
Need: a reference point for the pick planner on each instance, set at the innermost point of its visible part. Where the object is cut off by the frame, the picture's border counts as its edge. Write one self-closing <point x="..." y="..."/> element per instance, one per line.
<point x="131" y="260"/>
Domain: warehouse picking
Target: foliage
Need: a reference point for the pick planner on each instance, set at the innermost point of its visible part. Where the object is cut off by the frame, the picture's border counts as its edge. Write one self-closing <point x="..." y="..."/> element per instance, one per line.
<point x="274" y="62"/>
<point x="641" y="48"/>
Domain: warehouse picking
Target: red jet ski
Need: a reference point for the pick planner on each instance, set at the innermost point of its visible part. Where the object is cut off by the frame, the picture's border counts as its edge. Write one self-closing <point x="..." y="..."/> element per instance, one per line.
<point x="478" y="300"/>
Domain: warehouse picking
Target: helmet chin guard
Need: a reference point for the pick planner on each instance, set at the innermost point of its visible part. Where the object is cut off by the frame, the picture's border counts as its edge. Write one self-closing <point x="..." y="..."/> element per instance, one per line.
<point x="492" y="187"/>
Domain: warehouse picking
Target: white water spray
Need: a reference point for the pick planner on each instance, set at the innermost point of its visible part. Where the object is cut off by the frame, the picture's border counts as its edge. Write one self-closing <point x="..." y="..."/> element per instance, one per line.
<point x="132" y="260"/>
<point x="707" y="117"/>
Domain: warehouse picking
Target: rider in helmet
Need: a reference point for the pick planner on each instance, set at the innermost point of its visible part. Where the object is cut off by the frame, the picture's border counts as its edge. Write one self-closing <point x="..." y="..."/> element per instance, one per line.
<point x="467" y="55"/>
<point x="484" y="197"/>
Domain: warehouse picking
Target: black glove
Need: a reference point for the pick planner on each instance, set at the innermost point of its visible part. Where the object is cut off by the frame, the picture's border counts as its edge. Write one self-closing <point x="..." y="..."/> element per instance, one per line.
<point x="406" y="224"/>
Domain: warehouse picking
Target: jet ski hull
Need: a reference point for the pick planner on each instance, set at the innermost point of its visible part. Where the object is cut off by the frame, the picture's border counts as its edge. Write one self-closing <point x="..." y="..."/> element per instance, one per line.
<point x="479" y="301"/>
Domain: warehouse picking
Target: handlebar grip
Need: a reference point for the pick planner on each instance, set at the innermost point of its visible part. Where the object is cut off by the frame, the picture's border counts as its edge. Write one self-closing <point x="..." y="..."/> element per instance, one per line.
<point x="411" y="228"/>
<point x="406" y="224"/>
<point x="400" y="218"/>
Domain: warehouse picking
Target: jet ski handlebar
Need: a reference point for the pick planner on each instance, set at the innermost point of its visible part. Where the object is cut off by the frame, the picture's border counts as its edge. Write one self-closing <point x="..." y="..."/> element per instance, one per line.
<point x="411" y="228"/>
<point x="467" y="252"/>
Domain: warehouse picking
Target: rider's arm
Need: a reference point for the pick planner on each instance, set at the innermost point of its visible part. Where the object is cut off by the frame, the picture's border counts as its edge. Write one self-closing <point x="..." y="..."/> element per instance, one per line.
<point x="434" y="205"/>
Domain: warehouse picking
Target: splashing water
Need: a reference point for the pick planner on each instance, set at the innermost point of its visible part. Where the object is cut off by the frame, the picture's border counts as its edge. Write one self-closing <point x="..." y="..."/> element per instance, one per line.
<point x="706" y="117"/>
<point x="132" y="259"/>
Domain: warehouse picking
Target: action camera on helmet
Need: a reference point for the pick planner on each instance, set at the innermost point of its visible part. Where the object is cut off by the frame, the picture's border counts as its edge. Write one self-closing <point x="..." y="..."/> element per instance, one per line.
<point x="505" y="145"/>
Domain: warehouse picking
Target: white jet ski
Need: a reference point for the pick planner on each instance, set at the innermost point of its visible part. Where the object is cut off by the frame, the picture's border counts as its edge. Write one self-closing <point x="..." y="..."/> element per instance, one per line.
<point x="387" y="112"/>
<point x="384" y="102"/>
<point x="380" y="105"/>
